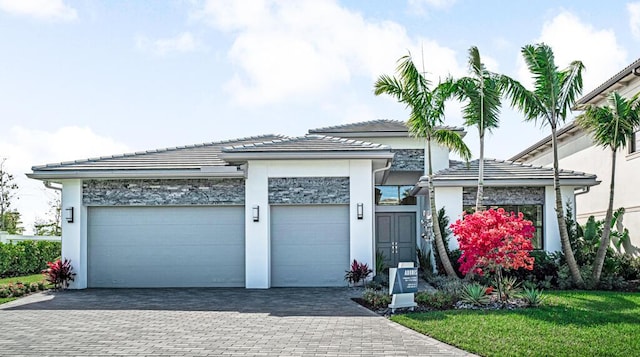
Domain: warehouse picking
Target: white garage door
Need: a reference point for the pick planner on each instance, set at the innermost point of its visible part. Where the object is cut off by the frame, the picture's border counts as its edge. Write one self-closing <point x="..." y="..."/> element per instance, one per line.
<point x="165" y="247"/>
<point x="309" y="245"/>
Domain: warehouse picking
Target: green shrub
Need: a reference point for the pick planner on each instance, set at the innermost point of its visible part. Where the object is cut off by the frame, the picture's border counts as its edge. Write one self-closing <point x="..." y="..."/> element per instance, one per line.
<point x="4" y="292"/>
<point x="475" y="294"/>
<point x="545" y="270"/>
<point x="376" y="299"/>
<point x="438" y="300"/>
<point x="533" y="297"/>
<point x="27" y="257"/>
<point x="451" y="286"/>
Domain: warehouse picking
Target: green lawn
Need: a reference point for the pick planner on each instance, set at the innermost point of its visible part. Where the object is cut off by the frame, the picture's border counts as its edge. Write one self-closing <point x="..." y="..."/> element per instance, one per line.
<point x="572" y="323"/>
<point x="27" y="279"/>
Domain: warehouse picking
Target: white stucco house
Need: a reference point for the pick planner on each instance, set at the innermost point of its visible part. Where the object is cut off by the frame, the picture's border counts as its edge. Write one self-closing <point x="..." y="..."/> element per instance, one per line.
<point x="274" y="211"/>
<point x="577" y="151"/>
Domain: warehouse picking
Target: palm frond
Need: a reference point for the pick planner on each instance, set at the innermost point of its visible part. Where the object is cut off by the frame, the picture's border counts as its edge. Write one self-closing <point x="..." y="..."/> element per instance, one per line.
<point x="610" y="126"/>
<point x="453" y="141"/>
<point x="570" y="87"/>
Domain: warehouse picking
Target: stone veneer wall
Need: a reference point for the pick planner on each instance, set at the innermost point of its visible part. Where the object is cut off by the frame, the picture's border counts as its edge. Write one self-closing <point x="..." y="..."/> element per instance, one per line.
<point x="160" y="192"/>
<point x="408" y="160"/>
<point x="309" y="190"/>
<point x="505" y="195"/>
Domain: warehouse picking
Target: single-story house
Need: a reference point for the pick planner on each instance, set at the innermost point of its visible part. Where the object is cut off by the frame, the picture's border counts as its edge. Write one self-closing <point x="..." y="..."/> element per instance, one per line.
<point x="577" y="151"/>
<point x="274" y="211"/>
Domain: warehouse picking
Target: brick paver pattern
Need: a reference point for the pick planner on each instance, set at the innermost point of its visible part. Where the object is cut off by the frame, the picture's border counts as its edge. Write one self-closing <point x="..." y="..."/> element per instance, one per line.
<point x="205" y="322"/>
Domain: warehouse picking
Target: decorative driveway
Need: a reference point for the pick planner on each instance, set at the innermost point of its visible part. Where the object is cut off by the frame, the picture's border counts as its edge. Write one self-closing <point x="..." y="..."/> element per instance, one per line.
<point x="205" y="322"/>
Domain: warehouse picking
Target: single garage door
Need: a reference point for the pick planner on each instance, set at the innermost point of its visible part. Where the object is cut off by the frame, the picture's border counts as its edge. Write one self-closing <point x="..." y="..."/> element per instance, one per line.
<point x="309" y="245"/>
<point x="165" y="247"/>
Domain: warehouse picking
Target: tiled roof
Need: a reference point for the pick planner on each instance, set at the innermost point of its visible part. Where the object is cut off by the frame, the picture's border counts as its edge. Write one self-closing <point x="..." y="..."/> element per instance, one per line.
<point x="182" y="157"/>
<point x="307" y="143"/>
<point x="634" y="68"/>
<point x="373" y="126"/>
<point x="504" y="170"/>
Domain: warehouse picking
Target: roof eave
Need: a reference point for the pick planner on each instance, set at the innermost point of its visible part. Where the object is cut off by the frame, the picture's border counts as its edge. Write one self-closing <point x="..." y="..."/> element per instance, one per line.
<point x="223" y="172"/>
<point x="235" y="157"/>
<point x="421" y="188"/>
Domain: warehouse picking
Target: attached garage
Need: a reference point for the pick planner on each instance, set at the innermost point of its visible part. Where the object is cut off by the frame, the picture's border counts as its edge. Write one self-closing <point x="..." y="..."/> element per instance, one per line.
<point x="168" y="246"/>
<point x="309" y="245"/>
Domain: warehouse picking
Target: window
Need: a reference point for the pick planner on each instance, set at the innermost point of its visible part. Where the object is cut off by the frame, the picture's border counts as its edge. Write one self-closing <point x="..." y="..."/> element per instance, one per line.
<point x="533" y="213"/>
<point x="394" y="196"/>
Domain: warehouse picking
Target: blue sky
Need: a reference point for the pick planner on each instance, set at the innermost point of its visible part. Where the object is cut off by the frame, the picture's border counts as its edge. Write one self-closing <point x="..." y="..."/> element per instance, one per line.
<point x="85" y="78"/>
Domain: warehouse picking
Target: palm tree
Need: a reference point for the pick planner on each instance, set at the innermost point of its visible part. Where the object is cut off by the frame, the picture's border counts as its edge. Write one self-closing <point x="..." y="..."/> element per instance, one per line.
<point x="610" y="127"/>
<point x="425" y="121"/>
<point x="482" y="92"/>
<point x="555" y="91"/>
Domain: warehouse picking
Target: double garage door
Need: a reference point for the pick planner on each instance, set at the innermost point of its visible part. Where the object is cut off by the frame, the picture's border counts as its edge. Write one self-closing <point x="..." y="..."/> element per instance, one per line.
<point x="165" y="247"/>
<point x="205" y="246"/>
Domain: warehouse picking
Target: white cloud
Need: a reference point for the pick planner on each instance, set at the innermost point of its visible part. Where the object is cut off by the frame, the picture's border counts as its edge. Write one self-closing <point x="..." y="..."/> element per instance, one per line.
<point x="184" y="42"/>
<point x="285" y="49"/>
<point x="572" y="39"/>
<point x="24" y="148"/>
<point x="420" y="6"/>
<point x="40" y="9"/>
<point x="634" y="18"/>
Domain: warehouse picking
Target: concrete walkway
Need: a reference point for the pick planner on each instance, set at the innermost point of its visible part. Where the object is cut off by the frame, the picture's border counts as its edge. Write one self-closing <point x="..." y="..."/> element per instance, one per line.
<point x="205" y="322"/>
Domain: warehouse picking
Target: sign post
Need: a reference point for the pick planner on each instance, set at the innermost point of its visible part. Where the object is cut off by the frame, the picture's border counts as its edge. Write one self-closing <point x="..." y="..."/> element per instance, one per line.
<point x="403" y="284"/>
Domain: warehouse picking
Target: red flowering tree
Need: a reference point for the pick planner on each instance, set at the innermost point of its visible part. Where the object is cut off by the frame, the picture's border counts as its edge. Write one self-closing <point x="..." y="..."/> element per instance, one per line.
<point x="494" y="240"/>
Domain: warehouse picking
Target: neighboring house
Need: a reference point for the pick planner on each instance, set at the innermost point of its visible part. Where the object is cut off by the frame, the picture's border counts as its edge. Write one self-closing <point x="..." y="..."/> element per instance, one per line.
<point x="577" y="151"/>
<point x="268" y="211"/>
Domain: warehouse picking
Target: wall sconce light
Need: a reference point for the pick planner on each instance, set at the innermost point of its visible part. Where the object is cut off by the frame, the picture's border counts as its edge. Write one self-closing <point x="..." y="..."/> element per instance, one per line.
<point x="256" y="213"/>
<point x="69" y="215"/>
<point x="360" y="210"/>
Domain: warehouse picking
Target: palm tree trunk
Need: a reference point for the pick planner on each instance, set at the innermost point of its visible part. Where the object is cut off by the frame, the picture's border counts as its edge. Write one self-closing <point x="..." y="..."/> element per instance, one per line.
<point x="480" y="192"/>
<point x="606" y="231"/>
<point x="562" y="225"/>
<point x="442" y="252"/>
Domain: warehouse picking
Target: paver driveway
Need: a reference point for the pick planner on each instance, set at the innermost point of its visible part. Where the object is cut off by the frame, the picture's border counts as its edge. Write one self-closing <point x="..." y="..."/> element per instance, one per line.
<point x="204" y="322"/>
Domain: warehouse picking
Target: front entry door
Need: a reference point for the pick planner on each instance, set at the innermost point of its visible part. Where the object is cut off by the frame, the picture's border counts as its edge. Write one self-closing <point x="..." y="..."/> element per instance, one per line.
<point x="396" y="236"/>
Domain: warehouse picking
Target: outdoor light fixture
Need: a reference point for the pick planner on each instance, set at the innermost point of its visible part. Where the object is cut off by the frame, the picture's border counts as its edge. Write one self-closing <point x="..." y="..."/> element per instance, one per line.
<point x="360" y="210"/>
<point x="69" y="215"/>
<point x="256" y="213"/>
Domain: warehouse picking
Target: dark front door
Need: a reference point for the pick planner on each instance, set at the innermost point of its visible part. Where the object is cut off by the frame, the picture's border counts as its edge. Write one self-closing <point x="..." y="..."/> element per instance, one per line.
<point x="396" y="236"/>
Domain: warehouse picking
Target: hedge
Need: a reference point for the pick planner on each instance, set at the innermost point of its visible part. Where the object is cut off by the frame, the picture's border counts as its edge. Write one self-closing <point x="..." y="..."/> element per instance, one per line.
<point x="27" y="257"/>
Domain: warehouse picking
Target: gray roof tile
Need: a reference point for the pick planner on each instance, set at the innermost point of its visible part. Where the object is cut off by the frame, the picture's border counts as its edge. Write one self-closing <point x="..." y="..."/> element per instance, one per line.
<point x="502" y="169"/>
<point x="181" y="157"/>
<point x="373" y="126"/>
<point x="307" y="143"/>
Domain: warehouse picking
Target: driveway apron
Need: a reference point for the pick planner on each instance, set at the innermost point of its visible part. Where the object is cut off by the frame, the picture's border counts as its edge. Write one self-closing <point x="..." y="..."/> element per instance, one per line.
<point x="205" y="322"/>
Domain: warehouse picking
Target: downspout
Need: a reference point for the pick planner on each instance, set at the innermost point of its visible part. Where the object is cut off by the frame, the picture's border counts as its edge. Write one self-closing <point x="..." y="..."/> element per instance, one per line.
<point x="373" y="221"/>
<point x="49" y="184"/>
<point x="577" y="192"/>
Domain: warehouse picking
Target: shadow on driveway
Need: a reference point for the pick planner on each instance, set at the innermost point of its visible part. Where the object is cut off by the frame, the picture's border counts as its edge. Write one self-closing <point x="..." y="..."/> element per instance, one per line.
<point x="275" y="301"/>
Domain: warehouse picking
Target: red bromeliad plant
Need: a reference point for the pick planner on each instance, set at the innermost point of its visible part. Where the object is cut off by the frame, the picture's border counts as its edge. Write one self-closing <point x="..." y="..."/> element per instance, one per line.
<point x="494" y="240"/>
<point x="59" y="273"/>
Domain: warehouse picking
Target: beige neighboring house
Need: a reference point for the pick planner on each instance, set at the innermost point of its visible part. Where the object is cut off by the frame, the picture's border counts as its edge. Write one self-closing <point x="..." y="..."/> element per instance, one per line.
<point x="577" y="151"/>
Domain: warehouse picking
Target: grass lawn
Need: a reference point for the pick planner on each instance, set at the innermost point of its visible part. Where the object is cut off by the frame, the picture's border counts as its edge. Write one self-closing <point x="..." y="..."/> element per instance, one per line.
<point x="27" y="279"/>
<point x="572" y="323"/>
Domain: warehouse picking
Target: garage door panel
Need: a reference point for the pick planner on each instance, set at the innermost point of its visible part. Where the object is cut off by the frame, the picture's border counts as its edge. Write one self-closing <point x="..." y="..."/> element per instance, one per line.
<point x="309" y="245"/>
<point x="166" y="247"/>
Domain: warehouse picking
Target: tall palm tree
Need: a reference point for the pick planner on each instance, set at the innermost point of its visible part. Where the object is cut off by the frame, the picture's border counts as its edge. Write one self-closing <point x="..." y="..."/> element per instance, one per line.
<point x="610" y="127"/>
<point x="482" y="92"/>
<point x="555" y="91"/>
<point x="425" y="121"/>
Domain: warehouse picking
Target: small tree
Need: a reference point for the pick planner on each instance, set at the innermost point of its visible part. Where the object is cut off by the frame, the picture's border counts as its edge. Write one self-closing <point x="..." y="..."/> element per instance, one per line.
<point x="8" y="189"/>
<point x="494" y="240"/>
<point x="52" y="225"/>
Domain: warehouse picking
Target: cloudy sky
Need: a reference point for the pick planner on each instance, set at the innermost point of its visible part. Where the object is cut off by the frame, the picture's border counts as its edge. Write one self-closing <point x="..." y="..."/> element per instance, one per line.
<point x="80" y="78"/>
